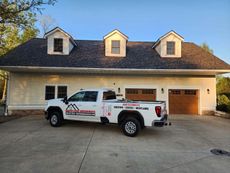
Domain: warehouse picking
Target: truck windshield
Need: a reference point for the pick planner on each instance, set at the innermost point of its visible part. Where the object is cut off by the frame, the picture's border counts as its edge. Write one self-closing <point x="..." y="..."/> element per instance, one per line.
<point x="109" y="95"/>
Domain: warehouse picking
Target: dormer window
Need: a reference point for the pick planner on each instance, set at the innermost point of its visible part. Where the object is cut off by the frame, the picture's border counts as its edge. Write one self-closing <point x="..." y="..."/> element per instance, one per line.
<point x="115" y="47"/>
<point x="169" y="45"/>
<point x="170" y="48"/>
<point x="58" y="45"/>
<point x="115" y="44"/>
<point x="59" y="42"/>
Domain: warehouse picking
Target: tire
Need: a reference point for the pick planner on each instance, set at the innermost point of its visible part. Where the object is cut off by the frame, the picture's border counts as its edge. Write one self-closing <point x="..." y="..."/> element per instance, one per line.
<point x="55" y="119"/>
<point x="130" y="126"/>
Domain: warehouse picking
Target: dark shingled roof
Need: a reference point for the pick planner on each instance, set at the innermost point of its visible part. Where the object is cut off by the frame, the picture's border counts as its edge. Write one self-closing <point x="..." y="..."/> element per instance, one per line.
<point x="140" y="55"/>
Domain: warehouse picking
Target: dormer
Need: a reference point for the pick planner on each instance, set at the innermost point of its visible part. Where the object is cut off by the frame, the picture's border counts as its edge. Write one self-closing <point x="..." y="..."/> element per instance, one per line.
<point x="169" y="45"/>
<point x="115" y="44"/>
<point x="59" y="42"/>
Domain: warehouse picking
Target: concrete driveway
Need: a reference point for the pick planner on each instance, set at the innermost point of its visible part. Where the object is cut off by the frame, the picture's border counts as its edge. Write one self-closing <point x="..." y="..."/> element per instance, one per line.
<point x="30" y="144"/>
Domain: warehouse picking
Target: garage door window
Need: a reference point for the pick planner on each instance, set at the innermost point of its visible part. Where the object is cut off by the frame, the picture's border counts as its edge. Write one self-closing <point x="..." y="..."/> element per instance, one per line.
<point x="190" y="92"/>
<point x="175" y="92"/>
<point x="147" y="91"/>
<point x="131" y="91"/>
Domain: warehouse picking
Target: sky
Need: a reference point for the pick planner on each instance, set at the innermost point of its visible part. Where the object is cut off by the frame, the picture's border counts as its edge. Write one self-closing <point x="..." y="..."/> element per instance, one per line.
<point x="197" y="21"/>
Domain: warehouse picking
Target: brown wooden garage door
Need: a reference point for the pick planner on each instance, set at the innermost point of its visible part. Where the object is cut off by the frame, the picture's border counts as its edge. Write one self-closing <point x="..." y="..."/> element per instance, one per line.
<point x="140" y="94"/>
<point x="183" y="101"/>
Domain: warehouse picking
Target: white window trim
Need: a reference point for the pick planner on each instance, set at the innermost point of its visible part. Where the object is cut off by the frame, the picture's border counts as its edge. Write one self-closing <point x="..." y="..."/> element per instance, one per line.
<point x="56" y="89"/>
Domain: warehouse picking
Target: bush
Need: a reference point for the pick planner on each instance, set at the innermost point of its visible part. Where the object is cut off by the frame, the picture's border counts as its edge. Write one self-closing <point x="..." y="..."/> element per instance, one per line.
<point x="223" y="103"/>
<point x="223" y="100"/>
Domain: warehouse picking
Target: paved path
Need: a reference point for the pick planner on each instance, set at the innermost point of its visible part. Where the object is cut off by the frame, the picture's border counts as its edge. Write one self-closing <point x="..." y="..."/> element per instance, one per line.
<point x="30" y="144"/>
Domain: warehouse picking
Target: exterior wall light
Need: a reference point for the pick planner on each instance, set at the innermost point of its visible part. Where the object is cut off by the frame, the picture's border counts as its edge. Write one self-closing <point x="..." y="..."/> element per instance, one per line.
<point x="162" y="90"/>
<point x="119" y="90"/>
<point x="208" y="91"/>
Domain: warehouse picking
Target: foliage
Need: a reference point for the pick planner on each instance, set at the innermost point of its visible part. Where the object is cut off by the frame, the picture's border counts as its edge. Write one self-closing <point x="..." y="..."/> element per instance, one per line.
<point x="206" y="47"/>
<point x="223" y="100"/>
<point x="17" y="24"/>
<point x="18" y="11"/>
<point x="223" y="85"/>
<point x="223" y="94"/>
<point x="12" y="36"/>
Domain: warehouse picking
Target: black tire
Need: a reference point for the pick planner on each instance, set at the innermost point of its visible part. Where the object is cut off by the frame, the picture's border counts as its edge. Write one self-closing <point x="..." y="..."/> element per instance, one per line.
<point x="55" y="119"/>
<point x="131" y="126"/>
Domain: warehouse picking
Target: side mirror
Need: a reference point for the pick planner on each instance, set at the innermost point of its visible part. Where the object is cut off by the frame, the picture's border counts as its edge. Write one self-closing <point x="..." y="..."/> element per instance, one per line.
<point x="65" y="100"/>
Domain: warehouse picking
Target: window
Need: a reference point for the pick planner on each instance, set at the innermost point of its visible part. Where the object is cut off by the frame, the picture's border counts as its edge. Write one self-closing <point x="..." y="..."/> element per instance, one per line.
<point x="58" y="45"/>
<point x="88" y="96"/>
<point x="49" y="92"/>
<point x="52" y="92"/>
<point x="190" y="92"/>
<point x="62" y="91"/>
<point x="77" y="97"/>
<point x="147" y="91"/>
<point x="170" y="47"/>
<point x="109" y="95"/>
<point x="115" y="46"/>
<point x="175" y="92"/>
<point x="131" y="91"/>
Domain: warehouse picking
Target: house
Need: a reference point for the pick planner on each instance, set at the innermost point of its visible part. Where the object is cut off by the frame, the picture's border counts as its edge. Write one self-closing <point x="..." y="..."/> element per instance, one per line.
<point x="180" y="73"/>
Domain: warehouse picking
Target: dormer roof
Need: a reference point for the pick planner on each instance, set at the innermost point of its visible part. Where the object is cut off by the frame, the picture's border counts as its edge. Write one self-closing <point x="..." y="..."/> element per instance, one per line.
<point x="62" y="31"/>
<point x="167" y="34"/>
<point x="114" y="32"/>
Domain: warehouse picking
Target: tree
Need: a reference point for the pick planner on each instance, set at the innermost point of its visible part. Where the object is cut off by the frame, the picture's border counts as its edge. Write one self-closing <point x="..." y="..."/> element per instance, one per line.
<point x="46" y="22"/>
<point x="206" y="47"/>
<point x="17" y="11"/>
<point x="14" y="35"/>
<point x="223" y="85"/>
<point x="17" y="25"/>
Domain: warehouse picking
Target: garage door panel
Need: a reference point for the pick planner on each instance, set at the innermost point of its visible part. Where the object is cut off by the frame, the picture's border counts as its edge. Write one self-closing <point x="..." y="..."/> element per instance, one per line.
<point x="183" y="101"/>
<point x="141" y="94"/>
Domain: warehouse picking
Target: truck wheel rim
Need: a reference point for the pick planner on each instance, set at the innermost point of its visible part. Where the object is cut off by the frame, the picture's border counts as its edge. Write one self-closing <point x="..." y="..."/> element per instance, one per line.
<point x="130" y="127"/>
<point x="54" y="119"/>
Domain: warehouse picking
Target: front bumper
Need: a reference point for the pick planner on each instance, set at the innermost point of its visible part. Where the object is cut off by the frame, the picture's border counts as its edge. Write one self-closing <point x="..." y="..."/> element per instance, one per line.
<point x="161" y="122"/>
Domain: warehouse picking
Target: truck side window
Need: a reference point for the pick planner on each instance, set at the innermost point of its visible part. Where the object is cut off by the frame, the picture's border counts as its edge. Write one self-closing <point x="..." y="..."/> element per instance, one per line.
<point x="109" y="95"/>
<point x="77" y="97"/>
<point x="90" y="96"/>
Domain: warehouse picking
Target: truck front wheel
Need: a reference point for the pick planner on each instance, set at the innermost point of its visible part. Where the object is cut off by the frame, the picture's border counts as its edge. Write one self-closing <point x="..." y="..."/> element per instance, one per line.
<point x="130" y="126"/>
<point x="55" y="119"/>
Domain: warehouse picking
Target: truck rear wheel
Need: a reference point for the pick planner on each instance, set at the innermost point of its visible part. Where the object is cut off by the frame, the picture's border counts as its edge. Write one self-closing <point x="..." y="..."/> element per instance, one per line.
<point x="55" y="119"/>
<point x="130" y="126"/>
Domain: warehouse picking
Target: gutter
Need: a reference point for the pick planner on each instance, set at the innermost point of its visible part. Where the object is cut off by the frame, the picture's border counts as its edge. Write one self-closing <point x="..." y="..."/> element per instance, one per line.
<point x="113" y="70"/>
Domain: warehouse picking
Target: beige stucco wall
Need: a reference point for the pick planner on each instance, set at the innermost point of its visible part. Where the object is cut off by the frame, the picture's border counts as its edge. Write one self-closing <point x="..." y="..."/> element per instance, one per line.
<point x="28" y="91"/>
<point x="108" y="42"/>
<point x="161" y="48"/>
<point x="67" y="45"/>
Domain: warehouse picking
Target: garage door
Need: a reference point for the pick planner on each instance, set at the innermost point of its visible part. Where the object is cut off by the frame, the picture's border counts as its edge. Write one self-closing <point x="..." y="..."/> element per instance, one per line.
<point x="183" y="101"/>
<point x="140" y="94"/>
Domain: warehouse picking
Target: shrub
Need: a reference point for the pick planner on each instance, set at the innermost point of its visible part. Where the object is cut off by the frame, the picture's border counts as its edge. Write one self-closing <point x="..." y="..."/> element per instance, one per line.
<point x="223" y="103"/>
<point x="223" y="100"/>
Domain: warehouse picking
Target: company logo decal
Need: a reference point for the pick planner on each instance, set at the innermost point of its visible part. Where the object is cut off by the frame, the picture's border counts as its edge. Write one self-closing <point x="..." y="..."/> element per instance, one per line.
<point x="72" y="109"/>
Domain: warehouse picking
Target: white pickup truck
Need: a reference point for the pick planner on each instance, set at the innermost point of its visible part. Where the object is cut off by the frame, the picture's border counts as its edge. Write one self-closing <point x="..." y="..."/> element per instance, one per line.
<point x="101" y="105"/>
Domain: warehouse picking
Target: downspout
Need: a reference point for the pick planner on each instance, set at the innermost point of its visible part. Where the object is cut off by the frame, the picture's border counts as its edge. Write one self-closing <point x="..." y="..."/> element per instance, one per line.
<point x="7" y="94"/>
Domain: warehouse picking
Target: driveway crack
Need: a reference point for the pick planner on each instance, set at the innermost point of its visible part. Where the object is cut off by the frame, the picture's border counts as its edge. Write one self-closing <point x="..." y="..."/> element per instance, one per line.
<point x="86" y="151"/>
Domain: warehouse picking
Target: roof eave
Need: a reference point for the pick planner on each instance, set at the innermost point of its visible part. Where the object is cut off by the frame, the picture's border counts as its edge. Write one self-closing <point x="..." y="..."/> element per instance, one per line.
<point x="115" y="70"/>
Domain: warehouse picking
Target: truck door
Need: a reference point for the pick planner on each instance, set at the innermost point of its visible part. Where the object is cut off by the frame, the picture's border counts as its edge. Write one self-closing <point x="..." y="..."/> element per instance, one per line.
<point x="83" y="106"/>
